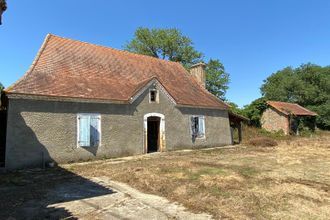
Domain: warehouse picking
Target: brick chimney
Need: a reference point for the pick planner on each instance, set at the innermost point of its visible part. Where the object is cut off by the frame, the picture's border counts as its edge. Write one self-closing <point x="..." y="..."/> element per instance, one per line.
<point x="198" y="71"/>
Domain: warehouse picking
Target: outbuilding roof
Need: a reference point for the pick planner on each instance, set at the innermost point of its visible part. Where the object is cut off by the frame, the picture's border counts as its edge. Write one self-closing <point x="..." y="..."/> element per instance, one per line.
<point x="291" y="108"/>
<point x="74" y="69"/>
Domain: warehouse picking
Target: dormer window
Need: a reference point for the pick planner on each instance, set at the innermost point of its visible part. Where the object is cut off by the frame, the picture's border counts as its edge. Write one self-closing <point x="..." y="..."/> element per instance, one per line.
<point x="153" y="96"/>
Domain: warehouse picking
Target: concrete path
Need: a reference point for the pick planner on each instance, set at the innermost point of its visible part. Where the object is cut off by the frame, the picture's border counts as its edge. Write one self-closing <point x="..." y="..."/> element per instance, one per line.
<point x="123" y="202"/>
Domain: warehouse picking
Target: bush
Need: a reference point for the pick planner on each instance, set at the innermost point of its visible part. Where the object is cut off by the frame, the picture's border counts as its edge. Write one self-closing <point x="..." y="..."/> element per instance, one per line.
<point x="262" y="142"/>
<point x="251" y="132"/>
<point x="273" y="134"/>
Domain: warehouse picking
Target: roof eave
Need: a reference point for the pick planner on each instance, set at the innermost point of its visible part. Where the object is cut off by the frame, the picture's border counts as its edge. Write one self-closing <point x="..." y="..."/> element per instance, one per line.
<point x="238" y="116"/>
<point x="12" y="95"/>
<point x="200" y="107"/>
<point x="312" y="114"/>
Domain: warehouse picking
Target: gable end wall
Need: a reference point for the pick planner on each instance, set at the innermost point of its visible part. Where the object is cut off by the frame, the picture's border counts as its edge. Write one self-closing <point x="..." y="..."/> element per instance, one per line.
<point x="273" y="120"/>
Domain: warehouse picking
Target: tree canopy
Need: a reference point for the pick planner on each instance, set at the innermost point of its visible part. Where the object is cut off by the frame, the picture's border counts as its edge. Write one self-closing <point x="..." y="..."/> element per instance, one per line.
<point x="1" y="88"/>
<point x="254" y="111"/>
<point x="3" y="7"/>
<point x="167" y="44"/>
<point x="234" y="108"/>
<point x="216" y="78"/>
<point x="171" y="44"/>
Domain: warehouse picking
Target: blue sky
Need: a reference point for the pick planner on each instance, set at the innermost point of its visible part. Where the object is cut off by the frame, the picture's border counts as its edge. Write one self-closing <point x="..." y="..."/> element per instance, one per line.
<point x="252" y="38"/>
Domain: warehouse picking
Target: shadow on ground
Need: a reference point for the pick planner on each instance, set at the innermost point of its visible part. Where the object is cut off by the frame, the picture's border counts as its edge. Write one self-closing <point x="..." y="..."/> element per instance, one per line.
<point x="28" y="194"/>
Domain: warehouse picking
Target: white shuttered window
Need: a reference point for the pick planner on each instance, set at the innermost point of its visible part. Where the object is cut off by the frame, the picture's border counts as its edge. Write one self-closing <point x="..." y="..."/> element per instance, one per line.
<point x="198" y="126"/>
<point x="89" y="130"/>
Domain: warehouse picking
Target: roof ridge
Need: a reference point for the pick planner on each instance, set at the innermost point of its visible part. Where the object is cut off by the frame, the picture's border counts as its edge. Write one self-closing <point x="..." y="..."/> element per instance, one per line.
<point x="34" y="63"/>
<point x="115" y="49"/>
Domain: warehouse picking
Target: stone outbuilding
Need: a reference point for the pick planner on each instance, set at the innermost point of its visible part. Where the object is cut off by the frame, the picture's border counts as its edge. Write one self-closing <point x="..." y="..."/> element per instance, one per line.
<point x="284" y="116"/>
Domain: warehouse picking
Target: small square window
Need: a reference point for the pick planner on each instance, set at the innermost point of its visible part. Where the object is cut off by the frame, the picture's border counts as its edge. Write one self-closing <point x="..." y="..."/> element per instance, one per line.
<point x="153" y="96"/>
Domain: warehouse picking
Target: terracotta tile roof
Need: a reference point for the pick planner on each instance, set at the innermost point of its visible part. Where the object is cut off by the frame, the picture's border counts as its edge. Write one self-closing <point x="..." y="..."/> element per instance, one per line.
<point x="74" y="69"/>
<point x="290" y="108"/>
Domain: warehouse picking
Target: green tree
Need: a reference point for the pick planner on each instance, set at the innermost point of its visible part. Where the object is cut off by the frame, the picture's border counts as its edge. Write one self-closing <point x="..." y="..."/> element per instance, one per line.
<point x="217" y="78"/>
<point x="1" y="88"/>
<point x="281" y="86"/>
<point x="3" y="7"/>
<point x="167" y="44"/>
<point x="307" y="85"/>
<point x="234" y="108"/>
<point x="254" y="111"/>
<point x="171" y="44"/>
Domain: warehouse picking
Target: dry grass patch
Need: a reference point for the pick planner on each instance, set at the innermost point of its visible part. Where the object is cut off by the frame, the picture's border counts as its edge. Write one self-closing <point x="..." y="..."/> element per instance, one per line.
<point x="262" y="142"/>
<point x="291" y="181"/>
<point x="239" y="183"/>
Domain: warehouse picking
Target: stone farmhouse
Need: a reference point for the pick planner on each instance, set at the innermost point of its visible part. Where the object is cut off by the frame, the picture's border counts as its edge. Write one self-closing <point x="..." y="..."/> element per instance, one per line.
<point x="80" y="101"/>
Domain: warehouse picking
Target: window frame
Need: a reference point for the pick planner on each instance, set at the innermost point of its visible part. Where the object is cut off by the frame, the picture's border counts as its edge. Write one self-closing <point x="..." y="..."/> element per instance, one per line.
<point x="199" y="136"/>
<point x="156" y="95"/>
<point x="98" y="129"/>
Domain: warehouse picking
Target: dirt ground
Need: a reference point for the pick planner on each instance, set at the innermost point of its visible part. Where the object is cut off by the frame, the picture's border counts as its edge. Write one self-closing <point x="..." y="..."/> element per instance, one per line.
<point x="289" y="181"/>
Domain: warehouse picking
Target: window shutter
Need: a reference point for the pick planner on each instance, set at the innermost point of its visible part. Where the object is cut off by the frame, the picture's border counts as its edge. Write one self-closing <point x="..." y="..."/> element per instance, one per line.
<point x="84" y="130"/>
<point x="192" y="127"/>
<point x="94" y="131"/>
<point x="201" y="123"/>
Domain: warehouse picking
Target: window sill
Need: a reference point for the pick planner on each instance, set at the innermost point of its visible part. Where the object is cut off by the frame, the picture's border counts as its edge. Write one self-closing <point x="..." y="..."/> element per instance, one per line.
<point x="200" y="137"/>
<point x="88" y="146"/>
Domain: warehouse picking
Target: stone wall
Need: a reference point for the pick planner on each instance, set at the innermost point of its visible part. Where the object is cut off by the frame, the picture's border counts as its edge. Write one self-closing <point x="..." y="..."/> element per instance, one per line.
<point x="40" y="131"/>
<point x="273" y="120"/>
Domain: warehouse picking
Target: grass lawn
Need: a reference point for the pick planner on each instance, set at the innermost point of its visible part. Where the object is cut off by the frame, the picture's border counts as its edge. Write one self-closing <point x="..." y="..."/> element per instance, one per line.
<point x="290" y="181"/>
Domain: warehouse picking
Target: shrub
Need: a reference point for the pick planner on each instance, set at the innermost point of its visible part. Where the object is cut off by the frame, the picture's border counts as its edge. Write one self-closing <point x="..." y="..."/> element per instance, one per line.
<point x="262" y="142"/>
